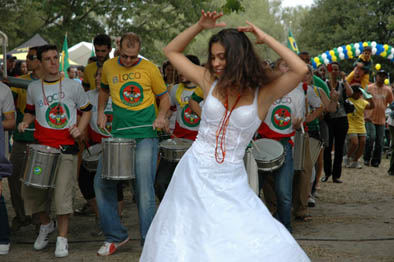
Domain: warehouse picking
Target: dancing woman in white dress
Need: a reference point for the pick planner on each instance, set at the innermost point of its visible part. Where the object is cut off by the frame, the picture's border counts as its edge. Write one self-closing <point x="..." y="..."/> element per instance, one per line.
<point x="209" y="213"/>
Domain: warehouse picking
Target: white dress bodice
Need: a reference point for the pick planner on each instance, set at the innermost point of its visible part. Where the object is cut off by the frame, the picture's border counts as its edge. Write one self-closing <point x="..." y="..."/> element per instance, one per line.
<point x="243" y="123"/>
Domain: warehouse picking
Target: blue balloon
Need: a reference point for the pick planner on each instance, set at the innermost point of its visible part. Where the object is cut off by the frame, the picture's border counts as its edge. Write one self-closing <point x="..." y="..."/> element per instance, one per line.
<point x="314" y="64"/>
<point x="379" y="49"/>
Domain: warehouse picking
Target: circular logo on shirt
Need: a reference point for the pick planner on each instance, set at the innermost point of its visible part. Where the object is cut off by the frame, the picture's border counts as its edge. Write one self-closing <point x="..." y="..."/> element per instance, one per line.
<point x="57" y="116"/>
<point x="189" y="118"/>
<point x="131" y="94"/>
<point x="281" y="117"/>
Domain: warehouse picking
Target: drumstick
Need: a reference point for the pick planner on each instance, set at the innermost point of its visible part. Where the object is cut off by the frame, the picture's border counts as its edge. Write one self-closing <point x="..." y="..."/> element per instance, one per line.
<point x="109" y="133"/>
<point x="255" y="145"/>
<point x="132" y="127"/>
<point x="86" y="146"/>
<point x="30" y="129"/>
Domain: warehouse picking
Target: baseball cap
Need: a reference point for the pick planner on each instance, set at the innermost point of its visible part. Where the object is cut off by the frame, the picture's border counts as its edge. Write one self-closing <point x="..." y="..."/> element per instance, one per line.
<point x="9" y="57"/>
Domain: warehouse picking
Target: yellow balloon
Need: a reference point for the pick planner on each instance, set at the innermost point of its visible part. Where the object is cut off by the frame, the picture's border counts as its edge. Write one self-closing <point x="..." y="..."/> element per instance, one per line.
<point x="365" y="44"/>
<point x="334" y="58"/>
<point x="386" y="46"/>
<point x="332" y="53"/>
<point x="384" y="54"/>
<point x="317" y="60"/>
<point x="378" y="66"/>
<point x="348" y="47"/>
<point x="386" y="82"/>
<point x="350" y="54"/>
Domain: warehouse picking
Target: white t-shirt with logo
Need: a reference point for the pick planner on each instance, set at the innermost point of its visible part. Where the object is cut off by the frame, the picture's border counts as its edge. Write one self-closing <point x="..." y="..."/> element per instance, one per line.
<point x="55" y="111"/>
<point x="93" y="98"/>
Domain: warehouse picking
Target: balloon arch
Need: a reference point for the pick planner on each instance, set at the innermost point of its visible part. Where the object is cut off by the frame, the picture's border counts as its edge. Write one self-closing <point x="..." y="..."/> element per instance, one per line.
<point x="353" y="51"/>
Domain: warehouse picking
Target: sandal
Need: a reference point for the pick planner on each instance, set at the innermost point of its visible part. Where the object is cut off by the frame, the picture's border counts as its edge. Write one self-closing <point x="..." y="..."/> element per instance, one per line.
<point x="305" y="218"/>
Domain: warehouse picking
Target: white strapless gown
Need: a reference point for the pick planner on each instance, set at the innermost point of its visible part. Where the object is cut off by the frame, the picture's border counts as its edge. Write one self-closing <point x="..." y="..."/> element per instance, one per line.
<point x="209" y="213"/>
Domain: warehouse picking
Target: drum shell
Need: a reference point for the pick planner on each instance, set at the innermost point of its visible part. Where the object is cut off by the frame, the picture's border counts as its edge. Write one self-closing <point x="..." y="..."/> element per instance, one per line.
<point x="118" y="159"/>
<point x="41" y="166"/>
<point x="268" y="164"/>
<point x="90" y="160"/>
<point x="174" y="154"/>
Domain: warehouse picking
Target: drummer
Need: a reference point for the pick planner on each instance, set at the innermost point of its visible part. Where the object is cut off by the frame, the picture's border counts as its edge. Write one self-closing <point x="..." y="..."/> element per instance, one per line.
<point x="186" y="125"/>
<point x="283" y="117"/>
<point x="52" y="103"/>
<point x="133" y="83"/>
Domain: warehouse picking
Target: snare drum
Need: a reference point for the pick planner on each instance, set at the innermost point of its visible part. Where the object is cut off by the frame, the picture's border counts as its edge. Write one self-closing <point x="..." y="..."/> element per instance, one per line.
<point x="269" y="154"/>
<point x="118" y="158"/>
<point x="41" y="164"/>
<point x="174" y="148"/>
<point x="315" y="146"/>
<point x="91" y="157"/>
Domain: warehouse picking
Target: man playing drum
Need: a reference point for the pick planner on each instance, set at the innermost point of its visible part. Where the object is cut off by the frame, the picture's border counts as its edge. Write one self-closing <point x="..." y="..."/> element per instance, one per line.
<point x="282" y="119"/>
<point x="52" y="104"/>
<point x="186" y="126"/>
<point x="132" y="83"/>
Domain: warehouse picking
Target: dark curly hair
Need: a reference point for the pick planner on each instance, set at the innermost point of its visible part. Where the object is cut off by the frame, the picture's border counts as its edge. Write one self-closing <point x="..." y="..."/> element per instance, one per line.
<point x="244" y="69"/>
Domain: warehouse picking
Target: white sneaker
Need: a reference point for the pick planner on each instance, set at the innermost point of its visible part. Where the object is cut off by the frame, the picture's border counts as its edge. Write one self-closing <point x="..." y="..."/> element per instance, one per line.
<point x="348" y="162"/>
<point x="355" y="164"/>
<point x="4" y="248"/>
<point x="43" y="237"/>
<point x="109" y="248"/>
<point x="61" y="247"/>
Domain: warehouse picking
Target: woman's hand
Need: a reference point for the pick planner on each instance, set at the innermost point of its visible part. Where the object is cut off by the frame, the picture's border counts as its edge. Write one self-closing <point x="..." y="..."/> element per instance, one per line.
<point x="208" y="20"/>
<point x="258" y="33"/>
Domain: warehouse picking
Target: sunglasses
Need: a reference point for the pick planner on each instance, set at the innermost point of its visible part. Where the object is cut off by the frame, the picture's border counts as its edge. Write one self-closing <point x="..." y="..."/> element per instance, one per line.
<point x="31" y="57"/>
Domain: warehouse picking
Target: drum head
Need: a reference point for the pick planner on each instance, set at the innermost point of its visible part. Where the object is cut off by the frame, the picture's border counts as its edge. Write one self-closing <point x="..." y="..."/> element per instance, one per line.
<point x="176" y="143"/>
<point x="43" y="148"/>
<point x="267" y="150"/>
<point x="95" y="151"/>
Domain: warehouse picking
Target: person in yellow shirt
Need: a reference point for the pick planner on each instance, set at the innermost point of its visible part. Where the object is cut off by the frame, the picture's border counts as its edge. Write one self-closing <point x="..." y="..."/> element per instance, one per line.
<point x="21" y="140"/>
<point x="102" y="48"/>
<point x="133" y="84"/>
<point x="357" y="133"/>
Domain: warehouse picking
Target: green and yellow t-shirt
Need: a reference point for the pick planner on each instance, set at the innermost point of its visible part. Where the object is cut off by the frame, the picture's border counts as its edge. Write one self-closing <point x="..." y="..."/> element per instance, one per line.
<point x="89" y="76"/>
<point x="20" y="105"/>
<point x="133" y="91"/>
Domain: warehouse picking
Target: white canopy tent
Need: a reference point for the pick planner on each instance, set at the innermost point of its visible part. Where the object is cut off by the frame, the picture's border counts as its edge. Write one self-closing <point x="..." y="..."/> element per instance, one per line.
<point x="81" y="52"/>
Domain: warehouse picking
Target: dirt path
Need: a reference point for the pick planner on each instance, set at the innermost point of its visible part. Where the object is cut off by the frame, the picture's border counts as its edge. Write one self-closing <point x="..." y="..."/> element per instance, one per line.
<point x="353" y="221"/>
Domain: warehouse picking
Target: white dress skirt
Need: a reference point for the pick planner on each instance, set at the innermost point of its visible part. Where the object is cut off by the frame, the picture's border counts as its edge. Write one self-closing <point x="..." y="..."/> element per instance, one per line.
<point x="209" y="212"/>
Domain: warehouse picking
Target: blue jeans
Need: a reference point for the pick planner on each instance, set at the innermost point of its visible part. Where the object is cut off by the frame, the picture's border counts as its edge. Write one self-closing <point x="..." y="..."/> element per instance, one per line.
<point x="106" y="194"/>
<point x="283" y="187"/>
<point x="4" y="226"/>
<point x="375" y="136"/>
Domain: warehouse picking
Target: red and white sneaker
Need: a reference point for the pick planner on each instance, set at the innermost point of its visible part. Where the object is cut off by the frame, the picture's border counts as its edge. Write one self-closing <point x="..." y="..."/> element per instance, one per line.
<point x="109" y="248"/>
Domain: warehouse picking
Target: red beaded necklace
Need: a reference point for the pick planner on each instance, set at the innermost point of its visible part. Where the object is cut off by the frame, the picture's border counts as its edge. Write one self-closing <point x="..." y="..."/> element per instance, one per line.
<point x="220" y="149"/>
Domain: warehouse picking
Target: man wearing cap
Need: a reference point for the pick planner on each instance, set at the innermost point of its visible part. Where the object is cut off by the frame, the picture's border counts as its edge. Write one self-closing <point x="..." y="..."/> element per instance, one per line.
<point x="375" y="120"/>
<point x="11" y="63"/>
<point x="21" y="140"/>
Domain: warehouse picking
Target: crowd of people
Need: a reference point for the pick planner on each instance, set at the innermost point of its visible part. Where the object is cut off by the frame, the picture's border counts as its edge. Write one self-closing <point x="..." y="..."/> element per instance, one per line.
<point x="221" y="105"/>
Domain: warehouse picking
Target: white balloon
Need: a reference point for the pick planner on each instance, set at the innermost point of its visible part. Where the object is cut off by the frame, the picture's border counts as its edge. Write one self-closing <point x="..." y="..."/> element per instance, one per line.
<point x="326" y="61"/>
<point x="324" y="56"/>
<point x="340" y="49"/>
<point x="373" y="44"/>
<point x="358" y="52"/>
<point x="392" y="50"/>
<point x="341" y="55"/>
<point x="390" y="56"/>
<point x="374" y="50"/>
<point x="357" y="45"/>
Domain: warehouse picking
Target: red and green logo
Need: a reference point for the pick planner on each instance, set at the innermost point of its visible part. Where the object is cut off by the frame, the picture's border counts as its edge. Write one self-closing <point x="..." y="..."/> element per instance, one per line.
<point x="281" y="117"/>
<point x="190" y="118"/>
<point x="57" y="115"/>
<point x="131" y="94"/>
